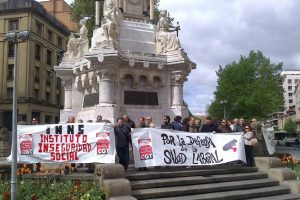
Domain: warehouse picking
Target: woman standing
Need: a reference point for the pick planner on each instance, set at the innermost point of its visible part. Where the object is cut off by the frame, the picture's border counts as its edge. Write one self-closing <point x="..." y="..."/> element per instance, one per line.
<point x="248" y="135"/>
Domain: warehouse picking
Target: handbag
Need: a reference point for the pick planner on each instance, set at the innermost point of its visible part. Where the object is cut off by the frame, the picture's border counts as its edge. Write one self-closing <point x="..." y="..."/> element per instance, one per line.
<point x="253" y="142"/>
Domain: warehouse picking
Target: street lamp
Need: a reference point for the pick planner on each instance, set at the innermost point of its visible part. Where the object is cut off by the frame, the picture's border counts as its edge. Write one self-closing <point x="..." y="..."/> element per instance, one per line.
<point x="15" y="38"/>
<point x="224" y="102"/>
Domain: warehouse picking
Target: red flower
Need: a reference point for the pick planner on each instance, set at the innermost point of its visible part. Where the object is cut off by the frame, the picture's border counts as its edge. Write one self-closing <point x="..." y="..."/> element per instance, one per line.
<point x="6" y="196"/>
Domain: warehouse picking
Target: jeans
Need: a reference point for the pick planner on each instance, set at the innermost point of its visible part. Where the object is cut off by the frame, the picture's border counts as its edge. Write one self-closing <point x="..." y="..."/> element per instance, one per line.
<point x="123" y="154"/>
<point x="249" y="155"/>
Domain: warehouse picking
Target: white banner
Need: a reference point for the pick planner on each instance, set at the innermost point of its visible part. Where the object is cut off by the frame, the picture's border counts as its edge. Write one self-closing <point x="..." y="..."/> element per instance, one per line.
<point x="160" y="147"/>
<point x="73" y="143"/>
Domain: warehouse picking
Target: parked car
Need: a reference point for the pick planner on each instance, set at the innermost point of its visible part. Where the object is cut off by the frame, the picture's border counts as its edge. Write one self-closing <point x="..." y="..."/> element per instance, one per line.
<point x="284" y="138"/>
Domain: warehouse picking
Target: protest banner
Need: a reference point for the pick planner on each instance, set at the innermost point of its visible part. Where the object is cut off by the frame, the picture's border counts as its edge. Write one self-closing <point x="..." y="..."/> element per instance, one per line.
<point x="161" y="147"/>
<point x="268" y="134"/>
<point x="73" y="143"/>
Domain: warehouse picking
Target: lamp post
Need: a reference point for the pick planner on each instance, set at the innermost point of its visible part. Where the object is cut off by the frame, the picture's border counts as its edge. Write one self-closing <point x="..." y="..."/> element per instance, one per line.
<point x="15" y="38"/>
<point x="224" y="102"/>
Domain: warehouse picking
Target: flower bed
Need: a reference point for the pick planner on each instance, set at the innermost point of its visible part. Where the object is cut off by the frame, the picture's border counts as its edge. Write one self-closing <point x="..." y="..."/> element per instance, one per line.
<point x="34" y="189"/>
<point x="290" y="162"/>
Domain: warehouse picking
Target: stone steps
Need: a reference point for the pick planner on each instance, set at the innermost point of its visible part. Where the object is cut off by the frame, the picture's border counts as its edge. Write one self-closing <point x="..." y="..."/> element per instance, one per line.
<point x="169" y="182"/>
<point x="237" y="194"/>
<point x="172" y="173"/>
<point x="203" y="188"/>
<point x="217" y="182"/>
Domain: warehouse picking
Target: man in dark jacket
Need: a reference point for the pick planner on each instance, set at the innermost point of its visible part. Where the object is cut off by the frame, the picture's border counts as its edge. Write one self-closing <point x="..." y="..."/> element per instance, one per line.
<point x="123" y="139"/>
<point x="209" y="126"/>
<point x="166" y="124"/>
<point x="128" y="122"/>
<point x="176" y="124"/>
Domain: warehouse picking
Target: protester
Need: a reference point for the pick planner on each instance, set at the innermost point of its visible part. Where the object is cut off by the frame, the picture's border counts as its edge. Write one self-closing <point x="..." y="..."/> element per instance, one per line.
<point x="166" y="124"/>
<point x="176" y="124"/>
<point x="149" y="122"/>
<point x="99" y="118"/>
<point x="128" y="122"/>
<point x="35" y="121"/>
<point x="71" y="119"/>
<point x="234" y="124"/>
<point x="198" y="125"/>
<point x="192" y="126"/>
<point x="209" y="126"/>
<point x="248" y="135"/>
<point x="241" y="126"/>
<point x="142" y="123"/>
<point x="223" y="127"/>
<point x="185" y="124"/>
<point x="123" y="139"/>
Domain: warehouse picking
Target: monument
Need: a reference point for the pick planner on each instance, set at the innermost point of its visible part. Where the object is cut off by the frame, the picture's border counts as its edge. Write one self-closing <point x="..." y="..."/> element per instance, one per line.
<point x="132" y="67"/>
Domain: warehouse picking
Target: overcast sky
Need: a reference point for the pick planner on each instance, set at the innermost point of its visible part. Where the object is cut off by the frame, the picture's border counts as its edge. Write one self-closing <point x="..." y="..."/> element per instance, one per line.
<point x="217" y="32"/>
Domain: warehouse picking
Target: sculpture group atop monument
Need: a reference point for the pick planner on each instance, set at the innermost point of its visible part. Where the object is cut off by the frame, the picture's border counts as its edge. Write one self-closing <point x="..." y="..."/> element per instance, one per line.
<point x="129" y="69"/>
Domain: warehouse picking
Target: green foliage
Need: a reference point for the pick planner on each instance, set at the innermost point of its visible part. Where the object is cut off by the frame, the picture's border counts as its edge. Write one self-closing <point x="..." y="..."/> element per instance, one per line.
<point x="290" y="126"/>
<point x="85" y="9"/>
<point x="252" y="88"/>
<point x="47" y="188"/>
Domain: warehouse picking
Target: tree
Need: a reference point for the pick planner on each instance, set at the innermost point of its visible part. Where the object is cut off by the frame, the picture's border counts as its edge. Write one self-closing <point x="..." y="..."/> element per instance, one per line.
<point x="252" y="88"/>
<point x="86" y="9"/>
<point x="289" y="126"/>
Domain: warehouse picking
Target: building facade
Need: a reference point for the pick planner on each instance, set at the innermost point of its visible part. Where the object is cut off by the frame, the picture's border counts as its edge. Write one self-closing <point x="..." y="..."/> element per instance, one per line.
<point x="39" y="90"/>
<point x="61" y="11"/>
<point x="297" y="106"/>
<point x="291" y="79"/>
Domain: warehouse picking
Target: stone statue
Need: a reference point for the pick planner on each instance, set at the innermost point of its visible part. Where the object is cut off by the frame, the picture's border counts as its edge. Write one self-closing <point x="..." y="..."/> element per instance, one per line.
<point x="110" y="28"/>
<point x="77" y="47"/>
<point x="166" y="38"/>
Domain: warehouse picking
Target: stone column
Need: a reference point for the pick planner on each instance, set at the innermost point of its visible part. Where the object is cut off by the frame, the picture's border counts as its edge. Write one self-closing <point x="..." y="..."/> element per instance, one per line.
<point x="151" y="9"/>
<point x="106" y="87"/>
<point x="177" y="90"/>
<point x="97" y="14"/>
<point x="68" y="93"/>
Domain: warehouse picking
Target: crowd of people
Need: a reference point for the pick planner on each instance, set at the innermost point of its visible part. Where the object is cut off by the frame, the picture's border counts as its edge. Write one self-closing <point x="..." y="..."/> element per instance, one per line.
<point x="124" y="126"/>
<point x="193" y="125"/>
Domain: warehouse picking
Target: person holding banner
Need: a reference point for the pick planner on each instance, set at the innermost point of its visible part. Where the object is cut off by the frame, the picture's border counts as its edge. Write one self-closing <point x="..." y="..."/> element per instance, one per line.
<point x="248" y="135"/>
<point x="166" y="124"/>
<point x="209" y="126"/>
<point x="123" y="139"/>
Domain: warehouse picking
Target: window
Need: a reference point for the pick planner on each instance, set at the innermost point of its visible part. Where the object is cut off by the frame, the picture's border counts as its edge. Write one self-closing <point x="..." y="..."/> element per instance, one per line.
<point x="48" y="78"/>
<point x="290" y="100"/>
<point x="58" y="83"/>
<point x="290" y="94"/>
<point x="59" y="41"/>
<point x="56" y="120"/>
<point x="36" y="94"/>
<point x="11" y="50"/>
<point x="48" y="97"/>
<point x="49" y="57"/>
<point x="58" y="59"/>
<point x="13" y="25"/>
<point x="37" y="52"/>
<point x="50" y="36"/>
<point x="289" y="81"/>
<point x="290" y="88"/>
<point x="48" y="119"/>
<point x="39" y="28"/>
<point x="9" y="92"/>
<point x="297" y="81"/>
<point x="58" y="100"/>
<point x="37" y="74"/>
<point x="10" y="72"/>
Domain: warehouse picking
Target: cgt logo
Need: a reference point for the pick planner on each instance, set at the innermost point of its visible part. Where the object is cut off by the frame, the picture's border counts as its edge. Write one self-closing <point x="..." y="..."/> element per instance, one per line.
<point x="146" y="156"/>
